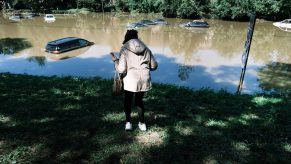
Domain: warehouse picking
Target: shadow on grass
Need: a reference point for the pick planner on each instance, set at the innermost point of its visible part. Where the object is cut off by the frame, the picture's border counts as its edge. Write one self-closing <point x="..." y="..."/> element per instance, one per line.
<point x="73" y="120"/>
<point x="208" y="127"/>
<point x="10" y="46"/>
<point x="276" y="77"/>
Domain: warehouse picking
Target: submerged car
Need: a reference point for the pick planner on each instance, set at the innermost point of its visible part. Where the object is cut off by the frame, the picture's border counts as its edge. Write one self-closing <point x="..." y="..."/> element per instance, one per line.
<point x="196" y="23"/>
<point x="22" y="16"/>
<point x="66" y="44"/>
<point x="30" y="15"/>
<point x="16" y="17"/>
<point x="160" y="21"/>
<point x="49" y="18"/>
<point x="147" y="22"/>
<point x="135" y="25"/>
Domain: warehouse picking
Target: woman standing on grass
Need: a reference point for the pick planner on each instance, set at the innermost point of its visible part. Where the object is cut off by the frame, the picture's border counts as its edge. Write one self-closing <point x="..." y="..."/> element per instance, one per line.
<point x="136" y="61"/>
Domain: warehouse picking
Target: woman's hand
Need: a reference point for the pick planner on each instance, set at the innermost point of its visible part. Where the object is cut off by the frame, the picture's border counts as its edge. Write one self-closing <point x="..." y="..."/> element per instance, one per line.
<point x="113" y="57"/>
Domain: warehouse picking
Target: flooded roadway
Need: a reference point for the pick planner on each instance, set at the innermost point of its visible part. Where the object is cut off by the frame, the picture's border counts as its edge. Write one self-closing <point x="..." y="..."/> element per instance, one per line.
<point x="195" y="58"/>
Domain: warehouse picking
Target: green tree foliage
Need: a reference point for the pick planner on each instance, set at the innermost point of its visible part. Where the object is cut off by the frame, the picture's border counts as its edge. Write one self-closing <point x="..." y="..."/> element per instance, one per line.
<point x="169" y="8"/>
<point x="151" y="6"/>
<point x="285" y="8"/>
<point x="232" y="9"/>
<point x="189" y="9"/>
<point x="126" y="5"/>
<point x="144" y="6"/>
<point x="267" y="7"/>
<point x="240" y="9"/>
<point x="221" y="9"/>
<point x="95" y="5"/>
<point x="184" y="8"/>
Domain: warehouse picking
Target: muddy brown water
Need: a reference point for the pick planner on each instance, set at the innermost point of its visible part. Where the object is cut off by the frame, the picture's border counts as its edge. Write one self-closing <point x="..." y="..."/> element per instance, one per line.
<point x="194" y="57"/>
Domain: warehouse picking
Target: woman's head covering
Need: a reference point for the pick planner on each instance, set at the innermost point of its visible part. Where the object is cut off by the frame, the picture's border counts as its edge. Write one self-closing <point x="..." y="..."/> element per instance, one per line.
<point x="130" y="34"/>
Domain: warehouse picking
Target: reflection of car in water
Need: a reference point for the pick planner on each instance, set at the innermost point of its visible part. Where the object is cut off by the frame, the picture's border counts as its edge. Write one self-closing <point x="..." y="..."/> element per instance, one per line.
<point x="66" y="44"/>
<point x="49" y="18"/>
<point x="67" y="55"/>
<point x="284" y="25"/>
<point x="196" y="23"/>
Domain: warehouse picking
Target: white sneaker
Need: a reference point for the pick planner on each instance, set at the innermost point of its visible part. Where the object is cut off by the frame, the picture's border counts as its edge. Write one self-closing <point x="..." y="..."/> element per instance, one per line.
<point x="142" y="126"/>
<point x="128" y="126"/>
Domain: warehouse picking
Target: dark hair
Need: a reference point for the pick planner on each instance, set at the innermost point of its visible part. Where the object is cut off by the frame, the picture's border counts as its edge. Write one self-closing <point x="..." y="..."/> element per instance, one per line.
<point x="130" y="34"/>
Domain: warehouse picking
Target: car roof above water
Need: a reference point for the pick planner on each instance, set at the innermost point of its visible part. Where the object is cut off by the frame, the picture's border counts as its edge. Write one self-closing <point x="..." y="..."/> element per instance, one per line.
<point x="49" y="15"/>
<point x="63" y="40"/>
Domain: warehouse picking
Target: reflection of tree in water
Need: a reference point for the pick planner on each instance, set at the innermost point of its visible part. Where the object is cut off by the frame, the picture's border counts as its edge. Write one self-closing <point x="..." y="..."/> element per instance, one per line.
<point x="10" y="46"/>
<point x="184" y="72"/>
<point x="269" y="41"/>
<point x="97" y="25"/>
<point x="186" y="42"/>
<point x="40" y="60"/>
<point x="228" y="37"/>
<point x="276" y="77"/>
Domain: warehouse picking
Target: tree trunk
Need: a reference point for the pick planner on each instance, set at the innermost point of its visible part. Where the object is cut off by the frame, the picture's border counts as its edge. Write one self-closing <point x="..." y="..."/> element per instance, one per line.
<point x="113" y="1"/>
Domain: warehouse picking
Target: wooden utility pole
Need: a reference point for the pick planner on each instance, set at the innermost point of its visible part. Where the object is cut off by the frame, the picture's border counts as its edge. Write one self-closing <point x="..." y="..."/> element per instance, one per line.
<point x="245" y="54"/>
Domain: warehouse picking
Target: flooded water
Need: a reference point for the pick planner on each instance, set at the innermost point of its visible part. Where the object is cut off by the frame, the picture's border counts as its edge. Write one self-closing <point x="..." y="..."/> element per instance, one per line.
<point x="195" y="58"/>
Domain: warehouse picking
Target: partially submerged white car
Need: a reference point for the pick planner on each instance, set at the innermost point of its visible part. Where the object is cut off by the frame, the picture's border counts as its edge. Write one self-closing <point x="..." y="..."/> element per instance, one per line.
<point x="284" y="25"/>
<point x="49" y="18"/>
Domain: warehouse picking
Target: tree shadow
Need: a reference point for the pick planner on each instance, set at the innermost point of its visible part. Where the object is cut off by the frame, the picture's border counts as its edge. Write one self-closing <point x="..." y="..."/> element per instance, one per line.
<point x="276" y="78"/>
<point x="209" y="127"/>
<point x="49" y="120"/>
<point x="75" y="120"/>
<point x="10" y="46"/>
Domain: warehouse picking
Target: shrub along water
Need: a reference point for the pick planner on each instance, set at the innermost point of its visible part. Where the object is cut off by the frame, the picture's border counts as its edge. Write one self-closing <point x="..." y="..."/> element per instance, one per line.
<point x="221" y="9"/>
<point x="76" y="120"/>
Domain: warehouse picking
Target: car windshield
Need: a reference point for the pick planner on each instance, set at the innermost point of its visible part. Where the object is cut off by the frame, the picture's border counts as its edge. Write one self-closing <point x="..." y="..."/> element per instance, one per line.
<point x="159" y="20"/>
<point x="51" y="47"/>
<point x="146" y="21"/>
<point x="137" y="24"/>
<point x="83" y="42"/>
<point x="198" y="23"/>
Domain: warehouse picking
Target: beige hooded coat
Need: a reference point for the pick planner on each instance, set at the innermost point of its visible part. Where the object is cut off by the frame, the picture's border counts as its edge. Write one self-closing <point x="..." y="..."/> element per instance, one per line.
<point x="136" y="60"/>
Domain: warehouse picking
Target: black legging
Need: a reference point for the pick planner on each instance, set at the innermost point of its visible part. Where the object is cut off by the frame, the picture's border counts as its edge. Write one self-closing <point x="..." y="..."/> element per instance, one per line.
<point x="128" y="96"/>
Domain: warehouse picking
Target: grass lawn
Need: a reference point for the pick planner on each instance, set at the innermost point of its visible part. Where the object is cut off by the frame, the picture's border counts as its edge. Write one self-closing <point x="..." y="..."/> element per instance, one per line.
<point x="75" y="120"/>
